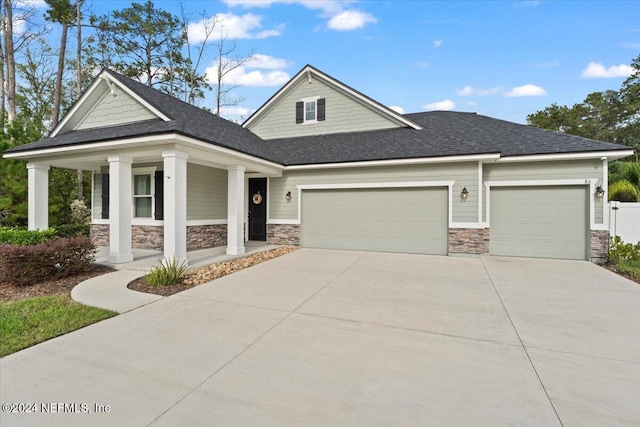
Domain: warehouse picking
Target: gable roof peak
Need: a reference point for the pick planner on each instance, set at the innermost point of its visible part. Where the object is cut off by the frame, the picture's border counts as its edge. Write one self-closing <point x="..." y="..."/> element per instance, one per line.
<point x="360" y="97"/>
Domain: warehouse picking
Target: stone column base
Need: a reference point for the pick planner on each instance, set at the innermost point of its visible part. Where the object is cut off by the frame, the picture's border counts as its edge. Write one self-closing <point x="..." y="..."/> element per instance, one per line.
<point x="599" y="246"/>
<point x="152" y="236"/>
<point x="471" y="241"/>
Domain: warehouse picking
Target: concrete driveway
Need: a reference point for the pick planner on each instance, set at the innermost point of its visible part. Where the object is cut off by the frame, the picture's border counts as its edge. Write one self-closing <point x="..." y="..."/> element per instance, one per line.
<point x="352" y="338"/>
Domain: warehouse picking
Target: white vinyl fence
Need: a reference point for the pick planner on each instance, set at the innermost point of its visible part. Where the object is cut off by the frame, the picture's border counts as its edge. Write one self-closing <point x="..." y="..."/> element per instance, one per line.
<point x="624" y="221"/>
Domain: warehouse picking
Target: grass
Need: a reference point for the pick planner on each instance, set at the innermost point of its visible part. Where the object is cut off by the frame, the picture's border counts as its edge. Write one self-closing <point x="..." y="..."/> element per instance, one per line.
<point x="31" y="321"/>
<point x="630" y="268"/>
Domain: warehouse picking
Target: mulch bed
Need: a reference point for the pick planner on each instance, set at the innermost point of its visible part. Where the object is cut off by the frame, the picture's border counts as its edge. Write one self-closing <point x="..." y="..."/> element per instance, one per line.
<point x="62" y="286"/>
<point x="209" y="273"/>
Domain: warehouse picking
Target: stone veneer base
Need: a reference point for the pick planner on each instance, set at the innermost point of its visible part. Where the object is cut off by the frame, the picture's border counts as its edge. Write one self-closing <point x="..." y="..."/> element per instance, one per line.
<point x="468" y="241"/>
<point x="283" y="234"/>
<point x="599" y="246"/>
<point x="152" y="236"/>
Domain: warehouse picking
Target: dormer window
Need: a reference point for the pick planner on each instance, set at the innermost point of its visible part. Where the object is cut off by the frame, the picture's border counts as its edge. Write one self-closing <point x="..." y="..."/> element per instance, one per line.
<point x="310" y="110"/>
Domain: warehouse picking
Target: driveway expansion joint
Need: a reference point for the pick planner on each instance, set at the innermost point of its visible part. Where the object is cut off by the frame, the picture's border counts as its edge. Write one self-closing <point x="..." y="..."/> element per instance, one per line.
<point x="524" y="348"/>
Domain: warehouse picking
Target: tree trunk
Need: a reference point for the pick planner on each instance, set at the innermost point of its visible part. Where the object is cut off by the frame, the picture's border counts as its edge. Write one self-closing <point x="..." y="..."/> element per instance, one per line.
<point x="10" y="61"/>
<point x="2" y="103"/>
<point x="79" y="87"/>
<point x="55" y="116"/>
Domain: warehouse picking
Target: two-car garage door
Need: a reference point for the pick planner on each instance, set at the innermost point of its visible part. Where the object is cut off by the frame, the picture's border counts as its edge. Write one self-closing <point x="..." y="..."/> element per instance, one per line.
<point x="410" y="220"/>
<point x="543" y="222"/>
<point x="540" y="222"/>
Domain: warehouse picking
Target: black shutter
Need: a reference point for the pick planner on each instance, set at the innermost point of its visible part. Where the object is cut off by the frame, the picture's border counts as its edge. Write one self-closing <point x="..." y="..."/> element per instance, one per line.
<point x="105" y="195"/>
<point x="159" y="196"/>
<point x="321" y="108"/>
<point x="299" y="112"/>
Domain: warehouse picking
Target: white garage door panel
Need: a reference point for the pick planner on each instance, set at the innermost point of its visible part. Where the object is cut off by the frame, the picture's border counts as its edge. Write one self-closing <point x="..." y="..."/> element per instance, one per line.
<point x="544" y="222"/>
<point x="412" y="220"/>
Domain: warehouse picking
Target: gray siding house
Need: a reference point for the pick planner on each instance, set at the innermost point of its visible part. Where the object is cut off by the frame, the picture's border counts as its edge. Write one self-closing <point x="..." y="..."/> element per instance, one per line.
<point x="322" y="165"/>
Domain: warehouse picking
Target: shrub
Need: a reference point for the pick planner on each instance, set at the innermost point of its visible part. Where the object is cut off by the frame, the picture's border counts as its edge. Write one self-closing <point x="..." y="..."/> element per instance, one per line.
<point x="623" y="191"/>
<point x="72" y="230"/>
<point x="22" y="236"/>
<point x="168" y="273"/>
<point x="28" y="265"/>
<point x="80" y="213"/>
<point x="620" y="251"/>
<point x="629" y="267"/>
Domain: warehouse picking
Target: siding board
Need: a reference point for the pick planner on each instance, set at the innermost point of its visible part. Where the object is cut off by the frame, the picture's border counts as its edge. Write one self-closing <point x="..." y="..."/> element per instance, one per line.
<point x="464" y="174"/>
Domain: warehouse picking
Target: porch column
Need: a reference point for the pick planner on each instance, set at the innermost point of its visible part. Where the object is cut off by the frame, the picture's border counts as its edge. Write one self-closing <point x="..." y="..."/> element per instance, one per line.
<point x="38" y="196"/>
<point x="175" y="204"/>
<point x="120" y="211"/>
<point x="235" y="210"/>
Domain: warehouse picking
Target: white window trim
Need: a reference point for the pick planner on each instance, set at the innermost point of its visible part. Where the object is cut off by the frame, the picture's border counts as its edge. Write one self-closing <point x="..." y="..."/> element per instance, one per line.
<point x="313" y="99"/>
<point x="590" y="182"/>
<point x="143" y="220"/>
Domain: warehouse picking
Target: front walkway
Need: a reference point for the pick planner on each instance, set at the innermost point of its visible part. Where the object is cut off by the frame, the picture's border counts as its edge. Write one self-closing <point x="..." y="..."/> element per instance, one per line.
<point x="110" y="290"/>
<point x="353" y="338"/>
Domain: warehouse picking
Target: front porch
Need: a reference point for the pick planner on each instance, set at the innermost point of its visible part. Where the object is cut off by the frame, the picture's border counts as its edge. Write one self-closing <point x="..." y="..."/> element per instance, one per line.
<point x="170" y="197"/>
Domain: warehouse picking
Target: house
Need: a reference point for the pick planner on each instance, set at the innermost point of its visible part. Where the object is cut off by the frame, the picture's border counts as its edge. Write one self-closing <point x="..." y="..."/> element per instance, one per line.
<point x="322" y="165"/>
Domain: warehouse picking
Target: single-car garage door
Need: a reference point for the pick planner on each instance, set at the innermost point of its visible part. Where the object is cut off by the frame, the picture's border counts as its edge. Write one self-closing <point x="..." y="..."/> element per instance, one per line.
<point x="541" y="222"/>
<point x="411" y="220"/>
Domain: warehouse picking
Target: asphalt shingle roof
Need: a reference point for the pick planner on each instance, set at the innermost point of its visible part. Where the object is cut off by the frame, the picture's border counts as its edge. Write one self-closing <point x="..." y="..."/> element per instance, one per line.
<point x="445" y="133"/>
<point x="186" y="119"/>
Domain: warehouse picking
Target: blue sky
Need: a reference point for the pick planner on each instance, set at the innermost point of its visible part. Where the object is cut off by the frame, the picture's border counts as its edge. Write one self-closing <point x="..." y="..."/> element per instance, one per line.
<point x="504" y="59"/>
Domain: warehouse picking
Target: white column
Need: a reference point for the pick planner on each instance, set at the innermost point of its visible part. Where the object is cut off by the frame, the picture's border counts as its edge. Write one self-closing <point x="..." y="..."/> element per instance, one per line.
<point x="120" y="210"/>
<point x="235" y="210"/>
<point x="175" y="205"/>
<point x="38" y="196"/>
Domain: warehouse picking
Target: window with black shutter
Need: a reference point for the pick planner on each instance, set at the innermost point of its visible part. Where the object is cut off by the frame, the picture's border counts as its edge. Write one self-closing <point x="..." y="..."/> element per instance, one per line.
<point x="311" y="110"/>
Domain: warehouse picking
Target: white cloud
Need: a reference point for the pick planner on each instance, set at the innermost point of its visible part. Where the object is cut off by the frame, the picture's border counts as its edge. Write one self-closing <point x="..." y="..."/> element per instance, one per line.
<point x="423" y="64"/>
<point x="351" y="19"/>
<point x="445" y="105"/>
<point x="526" y="90"/>
<point x="437" y="44"/>
<point x="36" y="4"/>
<point x="340" y="16"/>
<point x="268" y="62"/>
<point x="470" y="90"/>
<point x="234" y="111"/>
<point x="253" y="74"/>
<point x="397" y="109"/>
<point x="596" y="70"/>
<point x="247" y="26"/>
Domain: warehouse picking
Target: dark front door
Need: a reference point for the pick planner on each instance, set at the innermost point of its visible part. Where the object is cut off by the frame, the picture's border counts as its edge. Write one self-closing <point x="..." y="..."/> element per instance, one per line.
<point x="258" y="209"/>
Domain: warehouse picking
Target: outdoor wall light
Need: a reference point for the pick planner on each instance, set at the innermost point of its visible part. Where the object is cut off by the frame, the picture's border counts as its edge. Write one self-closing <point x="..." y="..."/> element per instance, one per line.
<point x="464" y="194"/>
<point x="599" y="192"/>
<point x="287" y="196"/>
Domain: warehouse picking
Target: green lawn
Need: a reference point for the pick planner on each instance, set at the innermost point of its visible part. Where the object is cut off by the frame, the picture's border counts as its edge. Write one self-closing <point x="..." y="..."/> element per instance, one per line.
<point x="31" y="321"/>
